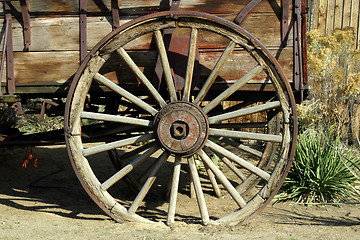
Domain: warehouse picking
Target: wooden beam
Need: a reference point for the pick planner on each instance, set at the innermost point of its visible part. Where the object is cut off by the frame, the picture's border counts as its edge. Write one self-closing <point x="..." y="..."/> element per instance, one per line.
<point x="339" y="7"/>
<point x="315" y="14"/>
<point x="354" y="18"/>
<point x="322" y="16"/>
<point x="330" y="17"/>
<point x="131" y="7"/>
<point x="346" y="14"/>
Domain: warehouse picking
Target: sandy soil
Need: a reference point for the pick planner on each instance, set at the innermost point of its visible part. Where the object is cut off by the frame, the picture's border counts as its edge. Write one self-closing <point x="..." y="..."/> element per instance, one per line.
<point x="48" y="202"/>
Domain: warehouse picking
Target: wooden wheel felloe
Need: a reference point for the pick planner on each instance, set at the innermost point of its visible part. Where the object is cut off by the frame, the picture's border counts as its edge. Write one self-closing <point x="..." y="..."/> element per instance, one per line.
<point x="237" y="156"/>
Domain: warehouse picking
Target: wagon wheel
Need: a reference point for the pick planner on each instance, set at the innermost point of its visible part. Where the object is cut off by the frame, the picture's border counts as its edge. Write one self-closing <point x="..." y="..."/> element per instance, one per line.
<point x="244" y="164"/>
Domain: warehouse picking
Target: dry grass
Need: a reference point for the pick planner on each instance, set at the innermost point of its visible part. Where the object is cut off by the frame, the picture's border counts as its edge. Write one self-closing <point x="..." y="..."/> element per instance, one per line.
<point x="334" y="84"/>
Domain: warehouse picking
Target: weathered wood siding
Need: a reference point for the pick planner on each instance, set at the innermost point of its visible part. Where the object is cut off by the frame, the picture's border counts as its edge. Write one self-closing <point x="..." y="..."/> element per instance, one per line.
<point x="141" y="7"/>
<point x="53" y="56"/>
<point x="327" y="15"/>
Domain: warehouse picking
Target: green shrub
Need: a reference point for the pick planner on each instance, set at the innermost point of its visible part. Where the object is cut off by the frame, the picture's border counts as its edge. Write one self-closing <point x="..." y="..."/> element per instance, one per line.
<point x="322" y="171"/>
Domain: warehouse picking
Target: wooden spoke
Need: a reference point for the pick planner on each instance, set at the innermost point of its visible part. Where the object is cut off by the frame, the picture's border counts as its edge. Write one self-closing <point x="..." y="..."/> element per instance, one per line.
<point x="245" y="135"/>
<point x="240" y="146"/>
<point x="109" y="146"/>
<point x="248" y="183"/>
<point x="192" y="188"/>
<point x="213" y="181"/>
<point x="190" y="64"/>
<point x="128" y="168"/>
<point x="222" y="178"/>
<point x="115" y="118"/>
<point x="236" y="86"/>
<point x="198" y="190"/>
<point x="140" y="75"/>
<point x="233" y="108"/>
<point x="149" y="182"/>
<point x="174" y="191"/>
<point x="240" y="125"/>
<point x="218" y="149"/>
<point x="165" y="64"/>
<point x="245" y="111"/>
<point x="215" y="72"/>
<point x="232" y="167"/>
<point x="132" y="98"/>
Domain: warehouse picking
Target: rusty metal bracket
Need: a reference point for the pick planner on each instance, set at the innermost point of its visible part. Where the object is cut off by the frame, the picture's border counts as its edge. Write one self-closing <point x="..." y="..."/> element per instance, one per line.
<point x="285" y="6"/>
<point x="26" y="23"/>
<point x="300" y="48"/>
<point x="298" y="72"/>
<point x="42" y="112"/>
<point x="245" y="11"/>
<point x="8" y="43"/>
<point x="175" y="4"/>
<point x="83" y="29"/>
<point x="115" y="13"/>
<point x="9" y="50"/>
<point x="25" y="14"/>
<point x="304" y="11"/>
<point x="3" y="50"/>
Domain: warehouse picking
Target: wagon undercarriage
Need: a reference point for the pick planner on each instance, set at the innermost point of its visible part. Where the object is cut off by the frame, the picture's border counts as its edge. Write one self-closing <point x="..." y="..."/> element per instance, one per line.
<point x="182" y="103"/>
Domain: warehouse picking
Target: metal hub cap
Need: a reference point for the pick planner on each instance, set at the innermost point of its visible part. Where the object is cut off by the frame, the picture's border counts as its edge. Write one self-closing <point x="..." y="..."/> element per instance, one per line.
<point x="182" y="128"/>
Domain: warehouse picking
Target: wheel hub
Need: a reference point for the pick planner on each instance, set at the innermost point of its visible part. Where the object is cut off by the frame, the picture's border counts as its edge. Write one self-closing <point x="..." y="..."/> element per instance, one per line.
<point x="181" y="128"/>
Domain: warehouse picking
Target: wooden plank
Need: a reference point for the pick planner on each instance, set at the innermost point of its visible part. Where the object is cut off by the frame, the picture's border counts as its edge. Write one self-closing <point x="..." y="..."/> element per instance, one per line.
<point x="69" y="6"/>
<point x="354" y="18"/>
<point x="346" y="13"/>
<point x="315" y="14"/>
<point x="358" y="33"/>
<point x="339" y="6"/>
<point x="232" y="71"/>
<point x="265" y="27"/>
<point x="227" y="6"/>
<point x="330" y="17"/>
<point x="322" y="16"/>
<point x="51" y="68"/>
<point x="309" y="20"/>
<point x="140" y="7"/>
<point x="45" y="67"/>
<point x="49" y="34"/>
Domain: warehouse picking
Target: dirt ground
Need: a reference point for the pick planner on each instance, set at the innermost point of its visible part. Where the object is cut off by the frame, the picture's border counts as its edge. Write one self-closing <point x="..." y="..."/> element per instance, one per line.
<point x="48" y="202"/>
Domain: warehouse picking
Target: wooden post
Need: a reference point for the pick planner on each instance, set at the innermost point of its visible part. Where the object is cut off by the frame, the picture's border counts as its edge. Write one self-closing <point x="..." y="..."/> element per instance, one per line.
<point x="83" y="29"/>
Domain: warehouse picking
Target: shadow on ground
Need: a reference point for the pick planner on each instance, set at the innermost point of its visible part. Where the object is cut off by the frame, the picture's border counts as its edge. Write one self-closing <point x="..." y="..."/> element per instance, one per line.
<point x="50" y="187"/>
<point x="321" y="216"/>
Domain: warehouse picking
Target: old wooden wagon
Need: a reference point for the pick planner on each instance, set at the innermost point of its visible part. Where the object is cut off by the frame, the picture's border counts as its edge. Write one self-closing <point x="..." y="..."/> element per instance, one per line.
<point x="182" y="96"/>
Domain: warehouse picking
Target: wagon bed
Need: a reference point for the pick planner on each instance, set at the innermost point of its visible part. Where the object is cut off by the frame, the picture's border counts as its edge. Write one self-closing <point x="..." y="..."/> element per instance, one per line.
<point x="52" y="58"/>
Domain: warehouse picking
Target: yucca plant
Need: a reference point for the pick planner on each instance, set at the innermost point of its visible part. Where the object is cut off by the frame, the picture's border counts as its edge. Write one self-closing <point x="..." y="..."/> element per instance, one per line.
<point x="322" y="171"/>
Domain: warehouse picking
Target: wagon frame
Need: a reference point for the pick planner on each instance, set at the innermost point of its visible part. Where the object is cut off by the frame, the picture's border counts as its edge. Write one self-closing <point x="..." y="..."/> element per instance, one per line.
<point x="173" y="104"/>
